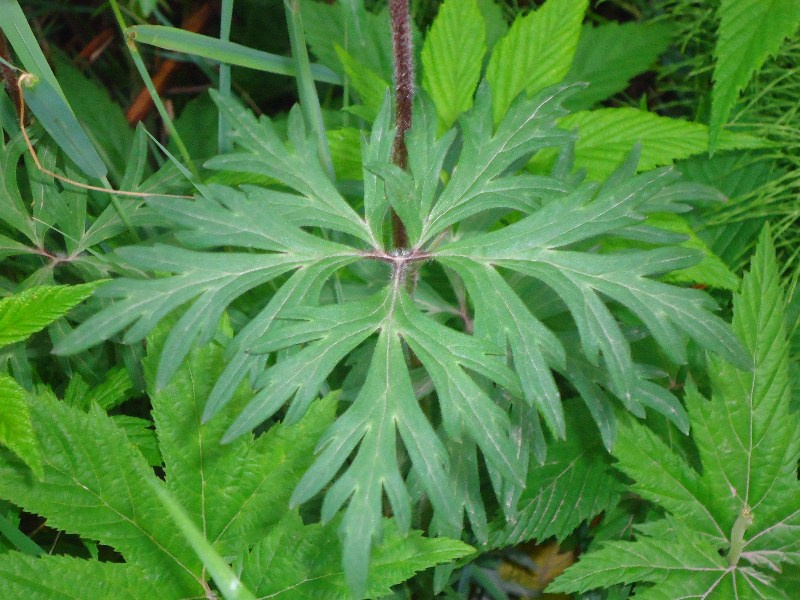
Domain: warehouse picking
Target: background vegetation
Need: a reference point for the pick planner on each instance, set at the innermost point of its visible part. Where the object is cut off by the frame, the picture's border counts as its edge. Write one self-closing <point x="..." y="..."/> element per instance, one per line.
<point x="262" y="339"/>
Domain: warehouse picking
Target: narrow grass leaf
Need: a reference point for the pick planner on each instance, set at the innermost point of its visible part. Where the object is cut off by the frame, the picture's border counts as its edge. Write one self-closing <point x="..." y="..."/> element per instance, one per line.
<point x="57" y="118"/>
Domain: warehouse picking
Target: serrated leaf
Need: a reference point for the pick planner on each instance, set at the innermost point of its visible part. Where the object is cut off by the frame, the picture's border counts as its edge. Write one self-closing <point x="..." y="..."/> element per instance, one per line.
<point x="710" y="271"/>
<point x="611" y="54"/>
<point x="680" y="553"/>
<point x="733" y="526"/>
<point x="606" y="135"/>
<point x="536" y="52"/>
<point x="574" y="484"/>
<point x="749" y="32"/>
<point x="226" y="581"/>
<point x="108" y="394"/>
<point x="68" y="578"/>
<point x="94" y="485"/>
<point x="16" y="429"/>
<point x="452" y="58"/>
<point x="32" y="310"/>
<point x="234" y="491"/>
<point x="312" y="571"/>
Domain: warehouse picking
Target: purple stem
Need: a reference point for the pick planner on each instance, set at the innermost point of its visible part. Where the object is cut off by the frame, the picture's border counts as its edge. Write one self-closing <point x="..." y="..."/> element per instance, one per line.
<point x="404" y="96"/>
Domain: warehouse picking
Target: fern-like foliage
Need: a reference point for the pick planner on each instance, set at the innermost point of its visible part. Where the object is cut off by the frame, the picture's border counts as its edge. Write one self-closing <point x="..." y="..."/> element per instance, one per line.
<point x="732" y="530"/>
<point x="486" y="382"/>
<point x="95" y="484"/>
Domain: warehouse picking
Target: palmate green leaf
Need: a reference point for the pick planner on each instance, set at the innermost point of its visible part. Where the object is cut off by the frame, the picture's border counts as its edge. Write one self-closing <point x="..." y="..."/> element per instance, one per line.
<point x="213" y="280"/>
<point x="732" y="530"/>
<point x="487" y="386"/>
<point x="385" y="406"/>
<point x="297" y="166"/>
<point x="749" y="32"/>
<point x="536" y="52"/>
<point x="606" y="135"/>
<point x="452" y="58"/>
<point x="537" y="246"/>
<point x="312" y="570"/>
<point x="32" y="310"/>
<point x="487" y="153"/>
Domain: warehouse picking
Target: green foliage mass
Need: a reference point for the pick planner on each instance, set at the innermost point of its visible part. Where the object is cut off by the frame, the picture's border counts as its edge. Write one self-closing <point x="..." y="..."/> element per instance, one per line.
<point x="539" y="316"/>
<point x="95" y="483"/>
<point x="488" y="226"/>
<point x="730" y="530"/>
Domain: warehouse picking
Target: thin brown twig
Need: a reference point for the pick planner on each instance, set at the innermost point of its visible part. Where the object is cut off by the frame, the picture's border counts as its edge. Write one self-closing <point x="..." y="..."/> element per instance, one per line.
<point x="28" y="79"/>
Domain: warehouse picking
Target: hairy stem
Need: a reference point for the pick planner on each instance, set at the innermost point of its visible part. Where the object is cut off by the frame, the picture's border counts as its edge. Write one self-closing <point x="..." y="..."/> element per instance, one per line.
<point x="404" y="96"/>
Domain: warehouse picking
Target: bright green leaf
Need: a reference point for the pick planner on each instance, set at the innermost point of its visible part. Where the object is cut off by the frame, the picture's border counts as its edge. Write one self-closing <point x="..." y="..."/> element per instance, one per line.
<point x="16" y="428"/>
<point x="606" y="135"/>
<point x="536" y="52"/>
<point x="68" y="578"/>
<point x="452" y="58"/>
<point x="32" y="310"/>
<point x="312" y="570"/>
<point x="733" y="527"/>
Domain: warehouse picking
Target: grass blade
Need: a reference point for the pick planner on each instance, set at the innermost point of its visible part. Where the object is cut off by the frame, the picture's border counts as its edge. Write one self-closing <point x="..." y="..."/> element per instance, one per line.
<point x="178" y="40"/>
<point x="229" y="584"/>
<point x="226" y="16"/>
<point x="309" y="100"/>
